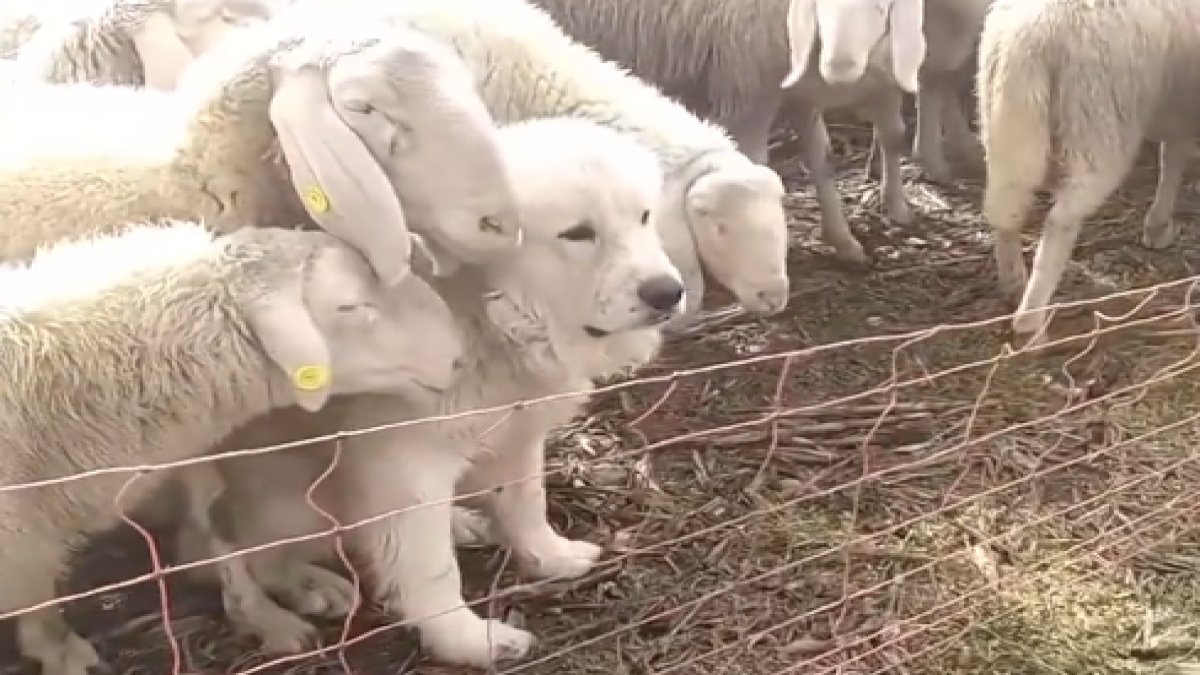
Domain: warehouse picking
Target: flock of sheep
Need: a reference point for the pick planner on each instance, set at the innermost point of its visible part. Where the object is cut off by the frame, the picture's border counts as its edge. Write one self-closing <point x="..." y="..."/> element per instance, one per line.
<point x="239" y="223"/>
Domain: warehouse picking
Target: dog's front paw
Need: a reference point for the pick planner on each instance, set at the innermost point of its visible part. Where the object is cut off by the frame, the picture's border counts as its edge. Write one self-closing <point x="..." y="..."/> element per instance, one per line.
<point x="312" y="590"/>
<point x="561" y="558"/>
<point x="468" y="640"/>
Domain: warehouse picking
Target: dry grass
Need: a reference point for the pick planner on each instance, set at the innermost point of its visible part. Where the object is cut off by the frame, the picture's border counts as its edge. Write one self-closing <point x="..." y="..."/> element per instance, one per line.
<point x="913" y="531"/>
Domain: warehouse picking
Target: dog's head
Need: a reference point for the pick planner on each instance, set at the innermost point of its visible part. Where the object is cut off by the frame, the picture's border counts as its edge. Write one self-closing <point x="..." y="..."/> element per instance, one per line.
<point x="592" y="256"/>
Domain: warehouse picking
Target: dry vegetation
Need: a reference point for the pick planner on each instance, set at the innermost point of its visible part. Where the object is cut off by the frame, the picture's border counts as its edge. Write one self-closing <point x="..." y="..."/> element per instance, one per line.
<point x="1033" y="514"/>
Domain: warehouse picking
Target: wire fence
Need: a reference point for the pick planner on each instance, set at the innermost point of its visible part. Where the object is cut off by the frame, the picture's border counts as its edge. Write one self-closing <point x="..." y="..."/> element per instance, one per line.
<point x="837" y="538"/>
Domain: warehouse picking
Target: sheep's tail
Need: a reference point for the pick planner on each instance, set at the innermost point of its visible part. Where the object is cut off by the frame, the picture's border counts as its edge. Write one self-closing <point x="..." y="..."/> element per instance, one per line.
<point x="1016" y="98"/>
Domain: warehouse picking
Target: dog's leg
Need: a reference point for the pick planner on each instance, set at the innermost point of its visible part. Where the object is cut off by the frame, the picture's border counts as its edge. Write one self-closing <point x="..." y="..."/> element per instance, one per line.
<point x="411" y="554"/>
<point x="518" y="510"/>
<point x="209" y="530"/>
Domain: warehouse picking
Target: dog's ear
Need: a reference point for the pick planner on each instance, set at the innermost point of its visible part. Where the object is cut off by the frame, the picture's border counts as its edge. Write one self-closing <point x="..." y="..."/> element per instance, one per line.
<point x="802" y="35"/>
<point x="341" y="183"/>
<point x="290" y="339"/>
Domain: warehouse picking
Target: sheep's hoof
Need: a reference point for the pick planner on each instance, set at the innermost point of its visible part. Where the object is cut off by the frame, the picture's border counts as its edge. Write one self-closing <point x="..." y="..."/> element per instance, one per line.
<point x="937" y="172"/>
<point x="851" y="252"/>
<point x="1029" y="330"/>
<point x="1159" y="236"/>
<point x="901" y="216"/>
<point x="1012" y="286"/>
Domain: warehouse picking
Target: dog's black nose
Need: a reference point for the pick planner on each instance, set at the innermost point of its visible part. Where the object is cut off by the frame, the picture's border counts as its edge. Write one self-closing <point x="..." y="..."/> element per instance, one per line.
<point x="662" y="293"/>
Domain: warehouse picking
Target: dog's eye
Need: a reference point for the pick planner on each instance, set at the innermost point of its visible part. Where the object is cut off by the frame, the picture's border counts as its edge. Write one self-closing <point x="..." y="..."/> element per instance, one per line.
<point x="359" y="107"/>
<point x="489" y="224"/>
<point x="645" y="216"/>
<point x="581" y="232"/>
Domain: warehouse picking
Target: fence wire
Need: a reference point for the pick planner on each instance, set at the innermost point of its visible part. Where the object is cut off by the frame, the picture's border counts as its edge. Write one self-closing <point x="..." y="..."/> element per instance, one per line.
<point x="833" y="479"/>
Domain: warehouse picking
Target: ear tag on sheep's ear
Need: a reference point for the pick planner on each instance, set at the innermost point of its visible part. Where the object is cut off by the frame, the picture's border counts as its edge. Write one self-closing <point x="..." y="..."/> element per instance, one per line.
<point x="310" y="378"/>
<point x="316" y="199"/>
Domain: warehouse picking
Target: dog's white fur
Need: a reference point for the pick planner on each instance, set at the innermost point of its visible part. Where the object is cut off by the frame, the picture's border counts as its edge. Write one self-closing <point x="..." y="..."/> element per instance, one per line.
<point x="569" y="174"/>
<point x="721" y="215"/>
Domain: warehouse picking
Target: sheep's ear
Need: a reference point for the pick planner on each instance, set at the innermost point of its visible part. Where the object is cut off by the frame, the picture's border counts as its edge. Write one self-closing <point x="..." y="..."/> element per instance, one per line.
<point x="342" y="185"/>
<point x="801" y="34"/>
<point x="906" y="24"/>
<point x="428" y="257"/>
<point x="163" y="54"/>
<point x="290" y="338"/>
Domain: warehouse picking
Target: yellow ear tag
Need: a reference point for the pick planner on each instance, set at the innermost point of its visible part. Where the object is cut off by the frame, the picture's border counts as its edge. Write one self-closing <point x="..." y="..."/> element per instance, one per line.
<point x="310" y="378"/>
<point x="316" y="199"/>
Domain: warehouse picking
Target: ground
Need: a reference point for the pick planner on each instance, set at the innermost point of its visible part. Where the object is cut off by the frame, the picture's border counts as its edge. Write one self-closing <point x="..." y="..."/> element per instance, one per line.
<point x="916" y="504"/>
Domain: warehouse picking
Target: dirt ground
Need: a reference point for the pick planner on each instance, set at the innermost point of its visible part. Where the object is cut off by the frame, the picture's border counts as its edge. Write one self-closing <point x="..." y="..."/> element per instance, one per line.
<point x="917" y="504"/>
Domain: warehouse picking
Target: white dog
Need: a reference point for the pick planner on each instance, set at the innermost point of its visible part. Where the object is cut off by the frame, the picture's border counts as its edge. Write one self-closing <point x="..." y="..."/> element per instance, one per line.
<point x="587" y="294"/>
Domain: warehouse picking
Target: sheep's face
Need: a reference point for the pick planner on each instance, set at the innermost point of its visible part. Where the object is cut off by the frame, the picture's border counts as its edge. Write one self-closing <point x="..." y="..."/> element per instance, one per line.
<point x="202" y="24"/>
<point x="592" y="257"/>
<point x="400" y="340"/>
<point x="446" y="165"/>
<point x="850" y="31"/>
<point x="736" y="215"/>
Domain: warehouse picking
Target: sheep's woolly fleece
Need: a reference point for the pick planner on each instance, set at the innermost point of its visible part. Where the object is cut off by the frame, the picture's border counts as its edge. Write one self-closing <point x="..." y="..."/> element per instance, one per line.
<point x="76" y="269"/>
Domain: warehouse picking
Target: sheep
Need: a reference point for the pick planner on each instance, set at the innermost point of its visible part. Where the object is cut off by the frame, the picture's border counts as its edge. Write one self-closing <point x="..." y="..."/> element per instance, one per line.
<point x="719" y="209"/>
<point x="150" y="344"/>
<point x="18" y="23"/>
<point x="588" y="194"/>
<point x="700" y="53"/>
<point x="365" y="119"/>
<point x="1077" y="86"/>
<point x="122" y="42"/>
<point x="952" y="29"/>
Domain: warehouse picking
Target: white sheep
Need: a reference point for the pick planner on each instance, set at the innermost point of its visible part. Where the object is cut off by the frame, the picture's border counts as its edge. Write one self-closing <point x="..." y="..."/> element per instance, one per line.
<point x="952" y="29"/>
<point x="587" y="195"/>
<point x="18" y="22"/>
<point x="151" y="344"/>
<point x="719" y="209"/>
<point x="1077" y="86"/>
<point x="120" y="42"/>
<point x="726" y="60"/>
<point x="365" y="117"/>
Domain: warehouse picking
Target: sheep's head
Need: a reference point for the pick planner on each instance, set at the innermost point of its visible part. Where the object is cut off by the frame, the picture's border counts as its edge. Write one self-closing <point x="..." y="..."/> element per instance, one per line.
<point x="735" y="212"/>
<point x="849" y="31"/>
<point x="392" y="135"/>
<point x="334" y="328"/>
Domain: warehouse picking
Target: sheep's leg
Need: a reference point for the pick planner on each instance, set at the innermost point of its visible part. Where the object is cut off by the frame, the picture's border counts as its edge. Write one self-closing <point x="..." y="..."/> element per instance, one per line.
<point x="1015" y="171"/>
<point x="209" y="527"/>
<point x="751" y="129"/>
<point x="42" y="635"/>
<point x="834" y="228"/>
<point x="874" y="167"/>
<point x="928" y="148"/>
<point x="518" y="509"/>
<point x="1087" y="185"/>
<point x="958" y="137"/>
<point x="889" y="123"/>
<point x="1159" y="229"/>
<point x="412" y="552"/>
